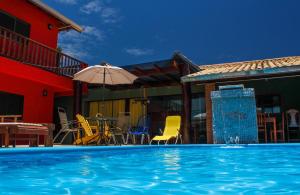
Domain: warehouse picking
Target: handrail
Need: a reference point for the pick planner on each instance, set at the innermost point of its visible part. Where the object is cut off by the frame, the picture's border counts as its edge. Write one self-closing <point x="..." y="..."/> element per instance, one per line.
<point x="28" y="51"/>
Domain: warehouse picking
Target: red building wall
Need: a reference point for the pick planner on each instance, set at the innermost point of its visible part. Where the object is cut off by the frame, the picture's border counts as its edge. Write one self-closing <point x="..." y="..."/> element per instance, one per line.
<point x="37" y="18"/>
<point x="30" y="82"/>
<point x="37" y="108"/>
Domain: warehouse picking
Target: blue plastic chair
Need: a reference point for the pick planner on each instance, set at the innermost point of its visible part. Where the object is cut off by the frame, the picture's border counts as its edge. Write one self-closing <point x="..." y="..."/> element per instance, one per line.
<point x="142" y="129"/>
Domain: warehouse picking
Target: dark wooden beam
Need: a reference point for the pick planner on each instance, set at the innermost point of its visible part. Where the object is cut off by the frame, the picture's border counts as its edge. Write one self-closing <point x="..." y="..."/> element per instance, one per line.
<point x="175" y="64"/>
<point x="167" y="74"/>
<point x="187" y="104"/>
<point x="77" y="98"/>
<point x="141" y="81"/>
<point x="139" y="72"/>
<point x="146" y="85"/>
<point x="156" y="78"/>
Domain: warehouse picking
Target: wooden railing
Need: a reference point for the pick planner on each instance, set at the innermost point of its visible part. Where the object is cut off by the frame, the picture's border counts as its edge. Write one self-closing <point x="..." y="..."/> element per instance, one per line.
<point x="28" y="51"/>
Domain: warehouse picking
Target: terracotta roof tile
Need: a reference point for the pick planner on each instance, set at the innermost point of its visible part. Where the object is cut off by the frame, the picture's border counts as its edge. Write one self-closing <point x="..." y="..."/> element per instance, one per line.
<point x="247" y="66"/>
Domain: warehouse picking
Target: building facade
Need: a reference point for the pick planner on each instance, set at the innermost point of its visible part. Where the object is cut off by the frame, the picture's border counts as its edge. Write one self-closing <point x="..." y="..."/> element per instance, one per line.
<point x="33" y="71"/>
<point x="160" y="91"/>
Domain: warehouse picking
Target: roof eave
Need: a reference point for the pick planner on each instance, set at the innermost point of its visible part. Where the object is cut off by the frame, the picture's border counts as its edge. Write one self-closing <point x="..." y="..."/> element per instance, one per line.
<point x="69" y="23"/>
<point x="186" y="60"/>
<point x="233" y="75"/>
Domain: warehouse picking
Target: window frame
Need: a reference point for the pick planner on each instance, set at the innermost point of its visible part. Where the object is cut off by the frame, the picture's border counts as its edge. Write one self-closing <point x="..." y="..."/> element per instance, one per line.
<point x="17" y="20"/>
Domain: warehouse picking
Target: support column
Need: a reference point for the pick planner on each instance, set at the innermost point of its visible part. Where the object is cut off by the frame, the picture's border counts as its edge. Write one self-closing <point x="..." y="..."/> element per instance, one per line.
<point x="208" y="104"/>
<point x="77" y="98"/>
<point x="186" y="102"/>
<point x="184" y="69"/>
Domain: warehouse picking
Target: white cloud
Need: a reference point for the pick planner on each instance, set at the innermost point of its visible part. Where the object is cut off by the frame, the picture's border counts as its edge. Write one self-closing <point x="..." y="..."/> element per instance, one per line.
<point x="93" y="32"/>
<point x="110" y="15"/>
<point x="74" y="50"/>
<point x="92" y="7"/>
<point x="107" y="14"/>
<point x="75" y="44"/>
<point x="138" y="51"/>
<point x="69" y="2"/>
<point x="89" y="32"/>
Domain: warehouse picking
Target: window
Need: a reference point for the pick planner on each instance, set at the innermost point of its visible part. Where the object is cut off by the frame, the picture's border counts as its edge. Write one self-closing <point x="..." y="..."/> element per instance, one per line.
<point x="268" y="103"/>
<point x="166" y="105"/>
<point x="11" y="104"/>
<point x="198" y="120"/>
<point x="14" y="24"/>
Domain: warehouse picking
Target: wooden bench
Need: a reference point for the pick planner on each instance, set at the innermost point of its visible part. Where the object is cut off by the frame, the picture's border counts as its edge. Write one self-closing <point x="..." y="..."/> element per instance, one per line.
<point x="32" y="130"/>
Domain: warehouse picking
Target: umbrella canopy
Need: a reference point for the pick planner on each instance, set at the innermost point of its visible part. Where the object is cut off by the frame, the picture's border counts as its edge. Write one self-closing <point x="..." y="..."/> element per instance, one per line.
<point x="105" y="74"/>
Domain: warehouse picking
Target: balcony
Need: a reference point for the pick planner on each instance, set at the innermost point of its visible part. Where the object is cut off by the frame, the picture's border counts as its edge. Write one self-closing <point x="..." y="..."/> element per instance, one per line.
<point x="27" y="51"/>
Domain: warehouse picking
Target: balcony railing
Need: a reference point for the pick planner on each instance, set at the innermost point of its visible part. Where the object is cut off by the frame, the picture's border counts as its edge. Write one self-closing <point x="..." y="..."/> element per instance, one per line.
<point x="25" y="50"/>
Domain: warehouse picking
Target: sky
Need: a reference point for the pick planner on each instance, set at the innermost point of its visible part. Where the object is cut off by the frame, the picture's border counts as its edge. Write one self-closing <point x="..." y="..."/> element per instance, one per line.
<point x="124" y="32"/>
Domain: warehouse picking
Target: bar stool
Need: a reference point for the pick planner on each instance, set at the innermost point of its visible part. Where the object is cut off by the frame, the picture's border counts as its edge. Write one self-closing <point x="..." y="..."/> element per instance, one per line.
<point x="261" y="125"/>
<point x="279" y="130"/>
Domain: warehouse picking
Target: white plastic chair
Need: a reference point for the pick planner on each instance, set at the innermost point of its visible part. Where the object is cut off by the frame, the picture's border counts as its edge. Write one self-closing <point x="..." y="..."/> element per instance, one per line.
<point x="293" y="120"/>
<point x="67" y="127"/>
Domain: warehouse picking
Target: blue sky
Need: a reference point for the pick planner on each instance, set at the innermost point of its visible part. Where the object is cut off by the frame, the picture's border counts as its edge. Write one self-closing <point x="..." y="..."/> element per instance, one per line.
<point x="125" y="32"/>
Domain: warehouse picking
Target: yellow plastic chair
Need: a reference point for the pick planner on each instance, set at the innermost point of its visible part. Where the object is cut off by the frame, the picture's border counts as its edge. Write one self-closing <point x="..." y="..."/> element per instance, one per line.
<point x="172" y="130"/>
<point x="89" y="135"/>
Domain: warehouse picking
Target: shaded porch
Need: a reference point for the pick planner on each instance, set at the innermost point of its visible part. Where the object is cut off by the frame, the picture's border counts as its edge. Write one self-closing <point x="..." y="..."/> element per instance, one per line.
<point x="157" y="93"/>
<point x="275" y="82"/>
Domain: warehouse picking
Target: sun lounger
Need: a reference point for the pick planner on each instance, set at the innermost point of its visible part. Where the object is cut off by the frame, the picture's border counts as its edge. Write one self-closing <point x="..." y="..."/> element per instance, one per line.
<point x="172" y="130"/>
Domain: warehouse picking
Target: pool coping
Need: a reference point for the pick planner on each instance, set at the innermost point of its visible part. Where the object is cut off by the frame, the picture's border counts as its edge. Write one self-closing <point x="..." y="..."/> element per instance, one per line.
<point x="27" y="150"/>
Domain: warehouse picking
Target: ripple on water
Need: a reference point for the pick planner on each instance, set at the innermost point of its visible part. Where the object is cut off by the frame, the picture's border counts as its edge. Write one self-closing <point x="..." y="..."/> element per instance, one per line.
<point x="197" y="170"/>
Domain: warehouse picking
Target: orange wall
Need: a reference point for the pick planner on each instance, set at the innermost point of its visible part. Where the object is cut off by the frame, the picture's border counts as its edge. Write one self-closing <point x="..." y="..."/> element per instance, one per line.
<point x="38" y="20"/>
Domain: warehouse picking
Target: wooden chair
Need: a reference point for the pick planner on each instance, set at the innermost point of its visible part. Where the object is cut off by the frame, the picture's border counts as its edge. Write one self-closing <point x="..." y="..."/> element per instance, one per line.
<point x="279" y="129"/>
<point x="262" y="125"/>
<point x="89" y="136"/>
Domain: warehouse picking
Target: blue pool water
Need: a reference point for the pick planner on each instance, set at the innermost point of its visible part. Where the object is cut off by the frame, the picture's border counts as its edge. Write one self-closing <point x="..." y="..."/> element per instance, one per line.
<point x="156" y="170"/>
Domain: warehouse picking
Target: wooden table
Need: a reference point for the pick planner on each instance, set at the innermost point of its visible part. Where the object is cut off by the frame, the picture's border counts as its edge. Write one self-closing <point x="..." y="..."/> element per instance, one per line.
<point x="272" y="121"/>
<point x="11" y="130"/>
<point x="101" y="124"/>
<point x="14" y="118"/>
<point x="101" y="121"/>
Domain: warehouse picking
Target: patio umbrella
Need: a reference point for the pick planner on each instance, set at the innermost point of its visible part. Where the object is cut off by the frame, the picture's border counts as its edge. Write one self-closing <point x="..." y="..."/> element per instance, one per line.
<point x="105" y="74"/>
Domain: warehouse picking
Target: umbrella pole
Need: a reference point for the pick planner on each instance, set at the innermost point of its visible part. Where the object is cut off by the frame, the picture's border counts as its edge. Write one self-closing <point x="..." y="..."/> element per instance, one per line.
<point x="144" y="105"/>
<point x="102" y="102"/>
<point x="103" y="88"/>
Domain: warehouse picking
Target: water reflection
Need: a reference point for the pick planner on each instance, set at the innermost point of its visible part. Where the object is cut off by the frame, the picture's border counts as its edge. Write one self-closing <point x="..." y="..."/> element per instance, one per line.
<point x="171" y="160"/>
<point x="86" y="161"/>
<point x="172" y="165"/>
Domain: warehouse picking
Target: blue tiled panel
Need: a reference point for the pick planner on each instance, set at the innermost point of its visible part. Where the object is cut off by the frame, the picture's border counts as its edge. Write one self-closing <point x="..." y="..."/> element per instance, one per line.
<point x="234" y="116"/>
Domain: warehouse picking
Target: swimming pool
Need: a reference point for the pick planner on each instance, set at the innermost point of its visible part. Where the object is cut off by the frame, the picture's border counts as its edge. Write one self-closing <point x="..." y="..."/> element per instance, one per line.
<point x="185" y="169"/>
